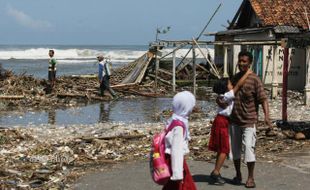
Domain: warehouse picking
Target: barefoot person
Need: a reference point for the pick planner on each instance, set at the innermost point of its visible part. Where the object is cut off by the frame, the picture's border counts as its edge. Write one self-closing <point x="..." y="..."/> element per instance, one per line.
<point x="52" y="68"/>
<point x="244" y="118"/>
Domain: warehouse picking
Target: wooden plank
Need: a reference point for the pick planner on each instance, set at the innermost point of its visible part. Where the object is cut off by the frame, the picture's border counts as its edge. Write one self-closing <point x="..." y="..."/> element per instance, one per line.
<point x="160" y="79"/>
<point x="165" y="71"/>
<point x="15" y="97"/>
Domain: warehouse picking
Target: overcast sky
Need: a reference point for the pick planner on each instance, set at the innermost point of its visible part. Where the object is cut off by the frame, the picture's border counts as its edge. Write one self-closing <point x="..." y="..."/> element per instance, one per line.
<point x="108" y="22"/>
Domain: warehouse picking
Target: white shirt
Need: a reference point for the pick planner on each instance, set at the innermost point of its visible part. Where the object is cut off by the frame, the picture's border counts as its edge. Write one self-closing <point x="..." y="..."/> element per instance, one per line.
<point x="177" y="147"/>
<point x="228" y="97"/>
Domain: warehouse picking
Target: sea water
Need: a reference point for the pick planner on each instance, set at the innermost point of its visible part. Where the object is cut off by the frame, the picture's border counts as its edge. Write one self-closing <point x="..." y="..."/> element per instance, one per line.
<point x="78" y="60"/>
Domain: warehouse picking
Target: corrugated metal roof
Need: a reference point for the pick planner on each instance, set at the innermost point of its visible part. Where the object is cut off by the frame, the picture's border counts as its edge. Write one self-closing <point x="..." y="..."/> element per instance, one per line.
<point x="286" y="29"/>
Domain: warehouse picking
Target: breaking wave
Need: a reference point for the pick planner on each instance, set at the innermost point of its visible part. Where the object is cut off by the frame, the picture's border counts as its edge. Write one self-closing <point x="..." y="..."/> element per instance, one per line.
<point x="68" y="55"/>
<point x="42" y="53"/>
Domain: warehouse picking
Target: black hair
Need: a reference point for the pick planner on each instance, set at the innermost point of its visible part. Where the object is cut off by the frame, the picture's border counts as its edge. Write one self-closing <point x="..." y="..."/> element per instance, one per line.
<point x="246" y="53"/>
<point x="220" y="86"/>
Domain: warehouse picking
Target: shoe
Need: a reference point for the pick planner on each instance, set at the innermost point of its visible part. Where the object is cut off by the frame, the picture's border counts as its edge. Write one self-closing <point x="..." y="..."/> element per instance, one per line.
<point x="217" y="179"/>
<point x="237" y="181"/>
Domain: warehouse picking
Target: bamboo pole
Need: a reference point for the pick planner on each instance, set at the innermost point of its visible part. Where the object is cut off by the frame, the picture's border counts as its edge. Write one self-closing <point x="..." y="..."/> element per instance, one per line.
<point x="173" y="70"/>
<point x="213" y="67"/>
<point x="225" y="62"/>
<point x="194" y="69"/>
<point x="156" y="68"/>
<point x="274" y="91"/>
<point x="203" y="30"/>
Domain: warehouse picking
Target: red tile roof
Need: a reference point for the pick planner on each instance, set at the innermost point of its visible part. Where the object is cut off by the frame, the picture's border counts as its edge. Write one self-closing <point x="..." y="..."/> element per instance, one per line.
<point x="282" y="12"/>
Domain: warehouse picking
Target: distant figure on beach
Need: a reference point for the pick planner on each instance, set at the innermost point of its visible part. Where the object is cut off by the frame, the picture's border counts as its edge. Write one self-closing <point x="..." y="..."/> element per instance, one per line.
<point x="52" y="68"/>
<point x="244" y="118"/>
<point x="104" y="76"/>
<point x="176" y="142"/>
<point x="219" y="139"/>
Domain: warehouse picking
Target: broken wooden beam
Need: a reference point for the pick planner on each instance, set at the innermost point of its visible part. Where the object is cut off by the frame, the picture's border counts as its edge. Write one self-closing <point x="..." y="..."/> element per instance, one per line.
<point x="15" y="97"/>
<point x="160" y="79"/>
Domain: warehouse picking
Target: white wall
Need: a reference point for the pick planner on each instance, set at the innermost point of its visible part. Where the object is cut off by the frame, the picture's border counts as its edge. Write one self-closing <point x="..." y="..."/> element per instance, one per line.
<point x="297" y="66"/>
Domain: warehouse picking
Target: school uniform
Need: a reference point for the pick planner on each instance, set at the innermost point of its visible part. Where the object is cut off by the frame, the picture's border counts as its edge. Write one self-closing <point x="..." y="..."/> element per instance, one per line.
<point x="219" y="138"/>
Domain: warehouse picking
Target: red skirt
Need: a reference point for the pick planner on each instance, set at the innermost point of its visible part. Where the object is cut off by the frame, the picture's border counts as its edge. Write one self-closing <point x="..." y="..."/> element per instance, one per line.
<point x="186" y="184"/>
<point x="219" y="139"/>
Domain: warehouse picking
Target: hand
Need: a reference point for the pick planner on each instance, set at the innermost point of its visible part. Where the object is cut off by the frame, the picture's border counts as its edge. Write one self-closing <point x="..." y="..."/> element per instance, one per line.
<point x="269" y="131"/>
<point x="249" y="71"/>
<point x="221" y="103"/>
<point x="268" y="123"/>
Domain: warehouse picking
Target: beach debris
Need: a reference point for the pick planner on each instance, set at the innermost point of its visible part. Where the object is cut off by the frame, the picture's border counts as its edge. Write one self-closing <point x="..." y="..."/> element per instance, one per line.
<point x="54" y="157"/>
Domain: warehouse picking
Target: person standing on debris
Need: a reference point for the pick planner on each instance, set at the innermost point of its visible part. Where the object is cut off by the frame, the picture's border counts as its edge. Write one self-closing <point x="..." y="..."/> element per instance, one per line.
<point x="219" y="138"/>
<point x="244" y="118"/>
<point x="176" y="142"/>
<point x="52" y="68"/>
<point x="104" y="76"/>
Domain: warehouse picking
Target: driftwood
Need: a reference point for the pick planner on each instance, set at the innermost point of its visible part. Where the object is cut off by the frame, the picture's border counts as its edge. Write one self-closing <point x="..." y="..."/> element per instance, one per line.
<point x="135" y="136"/>
<point x="165" y="71"/>
<point x="161" y="80"/>
<point x="65" y="95"/>
<point x="15" y="97"/>
<point x="128" y="85"/>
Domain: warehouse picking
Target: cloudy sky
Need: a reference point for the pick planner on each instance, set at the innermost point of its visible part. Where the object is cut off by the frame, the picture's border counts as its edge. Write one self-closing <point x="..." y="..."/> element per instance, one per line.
<point x="108" y="22"/>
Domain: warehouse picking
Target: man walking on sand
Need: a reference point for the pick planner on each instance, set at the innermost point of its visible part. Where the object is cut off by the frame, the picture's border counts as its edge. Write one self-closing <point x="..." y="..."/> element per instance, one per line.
<point x="104" y="76"/>
<point x="244" y="118"/>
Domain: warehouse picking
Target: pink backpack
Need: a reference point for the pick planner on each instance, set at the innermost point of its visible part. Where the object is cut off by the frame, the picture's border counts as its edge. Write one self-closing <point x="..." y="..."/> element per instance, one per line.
<point x="160" y="169"/>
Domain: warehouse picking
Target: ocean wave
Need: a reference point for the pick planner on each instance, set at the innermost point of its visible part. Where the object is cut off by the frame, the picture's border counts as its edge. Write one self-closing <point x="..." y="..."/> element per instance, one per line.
<point x="42" y="53"/>
<point x="71" y="54"/>
<point x="89" y="61"/>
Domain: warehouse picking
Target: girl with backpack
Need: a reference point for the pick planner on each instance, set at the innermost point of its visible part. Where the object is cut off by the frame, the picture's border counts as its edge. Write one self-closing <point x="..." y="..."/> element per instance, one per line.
<point x="176" y="142"/>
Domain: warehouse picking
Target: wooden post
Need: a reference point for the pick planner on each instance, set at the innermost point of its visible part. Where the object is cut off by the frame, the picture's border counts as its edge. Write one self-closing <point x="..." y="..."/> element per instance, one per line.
<point x="274" y="88"/>
<point x="307" y="86"/>
<point x="236" y="51"/>
<point x="194" y="69"/>
<point x="173" y="70"/>
<point x="156" y="68"/>
<point x="284" y="88"/>
<point x="225" y="75"/>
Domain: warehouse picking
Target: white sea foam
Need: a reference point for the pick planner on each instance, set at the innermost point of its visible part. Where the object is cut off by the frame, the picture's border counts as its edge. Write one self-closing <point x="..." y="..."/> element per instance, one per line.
<point x="182" y="52"/>
<point x="42" y="53"/>
<point x="88" y="61"/>
<point x="70" y="55"/>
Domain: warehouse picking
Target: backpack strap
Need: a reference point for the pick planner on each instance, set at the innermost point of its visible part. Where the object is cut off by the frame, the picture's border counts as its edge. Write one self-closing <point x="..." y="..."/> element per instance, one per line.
<point x="175" y="123"/>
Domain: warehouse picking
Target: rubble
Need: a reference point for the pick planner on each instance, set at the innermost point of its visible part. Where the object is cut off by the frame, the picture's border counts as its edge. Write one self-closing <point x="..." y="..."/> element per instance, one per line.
<point x="53" y="157"/>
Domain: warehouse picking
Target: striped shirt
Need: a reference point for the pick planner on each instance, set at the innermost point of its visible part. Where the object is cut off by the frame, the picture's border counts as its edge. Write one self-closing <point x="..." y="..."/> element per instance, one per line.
<point x="247" y="99"/>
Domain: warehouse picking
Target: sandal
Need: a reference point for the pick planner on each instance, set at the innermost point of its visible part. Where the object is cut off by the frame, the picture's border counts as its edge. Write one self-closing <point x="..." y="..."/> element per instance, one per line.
<point x="250" y="184"/>
<point x="237" y="181"/>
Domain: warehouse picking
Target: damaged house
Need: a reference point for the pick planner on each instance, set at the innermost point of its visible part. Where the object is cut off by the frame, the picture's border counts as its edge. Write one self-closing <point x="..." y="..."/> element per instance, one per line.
<point x="266" y="28"/>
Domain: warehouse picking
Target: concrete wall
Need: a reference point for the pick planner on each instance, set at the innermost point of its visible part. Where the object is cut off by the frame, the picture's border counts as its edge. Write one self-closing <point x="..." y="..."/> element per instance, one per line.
<point x="297" y="66"/>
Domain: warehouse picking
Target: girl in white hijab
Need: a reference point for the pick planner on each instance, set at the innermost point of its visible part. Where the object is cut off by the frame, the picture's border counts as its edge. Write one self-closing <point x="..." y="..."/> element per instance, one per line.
<point x="176" y="142"/>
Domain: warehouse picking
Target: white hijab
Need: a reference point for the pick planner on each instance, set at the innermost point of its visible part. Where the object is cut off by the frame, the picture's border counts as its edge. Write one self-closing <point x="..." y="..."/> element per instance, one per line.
<point x="182" y="105"/>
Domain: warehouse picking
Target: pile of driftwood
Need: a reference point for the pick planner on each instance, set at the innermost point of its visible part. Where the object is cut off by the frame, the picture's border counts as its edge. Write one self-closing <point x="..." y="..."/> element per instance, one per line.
<point x="27" y="161"/>
<point x="25" y="90"/>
